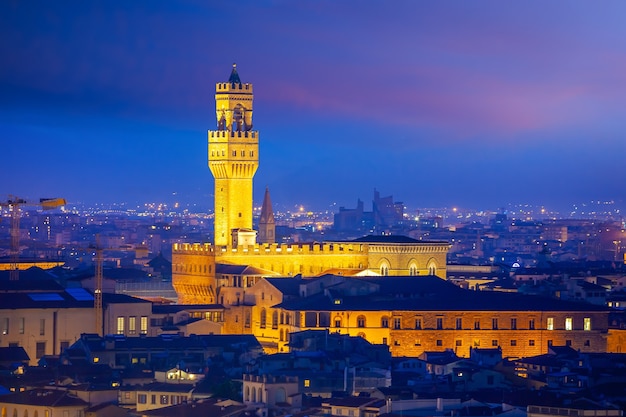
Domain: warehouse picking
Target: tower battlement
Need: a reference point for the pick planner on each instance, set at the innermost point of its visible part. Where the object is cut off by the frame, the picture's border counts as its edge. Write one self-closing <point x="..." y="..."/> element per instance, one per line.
<point x="225" y="134"/>
<point x="270" y="249"/>
<point x="233" y="88"/>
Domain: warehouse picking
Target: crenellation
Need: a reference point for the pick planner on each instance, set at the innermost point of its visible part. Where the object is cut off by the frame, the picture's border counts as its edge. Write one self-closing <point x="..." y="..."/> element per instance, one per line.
<point x="234" y="88"/>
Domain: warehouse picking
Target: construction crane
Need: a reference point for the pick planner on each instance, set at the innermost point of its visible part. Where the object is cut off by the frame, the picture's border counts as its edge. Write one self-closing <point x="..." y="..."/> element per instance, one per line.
<point x="13" y="204"/>
<point x="99" y="277"/>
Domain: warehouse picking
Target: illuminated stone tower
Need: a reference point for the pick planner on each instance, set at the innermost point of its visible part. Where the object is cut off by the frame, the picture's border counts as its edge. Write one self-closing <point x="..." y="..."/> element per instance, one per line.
<point x="233" y="157"/>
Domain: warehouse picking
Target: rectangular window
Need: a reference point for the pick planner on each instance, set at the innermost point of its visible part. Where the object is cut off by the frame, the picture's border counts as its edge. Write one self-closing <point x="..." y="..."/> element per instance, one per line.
<point x="132" y="325"/>
<point x="550" y="323"/>
<point x="439" y="342"/>
<point x="568" y="343"/>
<point x="307" y="383"/>
<point x="439" y="323"/>
<point x="153" y="399"/>
<point x="513" y="342"/>
<point x="397" y="323"/>
<point x="494" y="324"/>
<point x="164" y="399"/>
<point x="337" y="322"/>
<point x="22" y="325"/>
<point x="568" y="323"/>
<point x="476" y="324"/>
<point x="384" y="340"/>
<point x="120" y="325"/>
<point x="458" y="343"/>
<point x="513" y="324"/>
<point x="494" y="342"/>
<point x="246" y="318"/>
<point x="531" y="324"/>
<point x="143" y="324"/>
<point x="40" y="349"/>
<point x="42" y="327"/>
<point x="142" y="398"/>
<point x="418" y="323"/>
<point x="587" y="323"/>
<point x="531" y="342"/>
<point x="459" y="323"/>
<point x="64" y="345"/>
<point x="5" y="325"/>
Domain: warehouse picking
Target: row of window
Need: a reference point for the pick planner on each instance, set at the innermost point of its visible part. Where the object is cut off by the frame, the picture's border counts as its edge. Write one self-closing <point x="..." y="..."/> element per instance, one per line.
<point x="132" y="325"/>
<point x="164" y="399"/>
<point x="79" y="413"/>
<point x="439" y="325"/>
<point x="494" y="342"/>
<point x="242" y="153"/>
<point x="5" y="326"/>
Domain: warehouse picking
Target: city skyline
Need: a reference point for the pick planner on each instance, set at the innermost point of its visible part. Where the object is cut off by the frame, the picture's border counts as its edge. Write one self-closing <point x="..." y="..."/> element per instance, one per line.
<point x="437" y="104"/>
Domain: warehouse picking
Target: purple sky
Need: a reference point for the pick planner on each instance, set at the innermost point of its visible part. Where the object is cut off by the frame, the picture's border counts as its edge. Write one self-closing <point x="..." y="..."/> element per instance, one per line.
<point x="440" y="103"/>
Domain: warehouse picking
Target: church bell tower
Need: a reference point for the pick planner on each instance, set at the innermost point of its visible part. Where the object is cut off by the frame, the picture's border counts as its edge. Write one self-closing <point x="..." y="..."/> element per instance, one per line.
<point x="233" y="157"/>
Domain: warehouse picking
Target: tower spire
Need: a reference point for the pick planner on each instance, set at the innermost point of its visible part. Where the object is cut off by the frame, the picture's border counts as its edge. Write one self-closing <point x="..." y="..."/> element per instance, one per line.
<point x="234" y="76"/>
<point x="267" y="223"/>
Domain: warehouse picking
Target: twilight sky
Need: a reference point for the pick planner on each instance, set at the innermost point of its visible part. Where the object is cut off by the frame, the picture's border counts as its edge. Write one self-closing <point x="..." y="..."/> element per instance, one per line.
<point x="440" y="103"/>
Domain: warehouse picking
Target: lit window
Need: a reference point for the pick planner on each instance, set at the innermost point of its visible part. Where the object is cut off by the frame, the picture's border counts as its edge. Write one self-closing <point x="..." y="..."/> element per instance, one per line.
<point x="568" y="323"/>
<point x="144" y="324"/>
<point x="120" y="325"/>
<point x="132" y="325"/>
<point x="587" y="323"/>
<point x="307" y="383"/>
<point x="550" y="323"/>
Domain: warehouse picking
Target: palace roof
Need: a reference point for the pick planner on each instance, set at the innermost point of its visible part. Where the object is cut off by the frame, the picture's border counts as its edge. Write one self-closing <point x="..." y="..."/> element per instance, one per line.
<point x="426" y="293"/>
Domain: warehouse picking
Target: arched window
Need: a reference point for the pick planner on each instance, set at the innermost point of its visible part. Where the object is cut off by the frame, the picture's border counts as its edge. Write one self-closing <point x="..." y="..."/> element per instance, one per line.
<point x="413" y="270"/>
<point x="260" y="395"/>
<point x="247" y="394"/>
<point x="432" y="269"/>
<point x="280" y="337"/>
<point x="360" y="321"/>
<point x="253" y="395"/>
<point x="384" y="270"/>
<point x="282" y="318"/>
<point x="275" y="320"/>
<point x="263" y="319"/>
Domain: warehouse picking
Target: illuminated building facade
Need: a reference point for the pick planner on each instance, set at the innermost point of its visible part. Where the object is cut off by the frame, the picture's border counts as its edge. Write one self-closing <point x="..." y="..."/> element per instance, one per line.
<point x="412" y="316"/>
